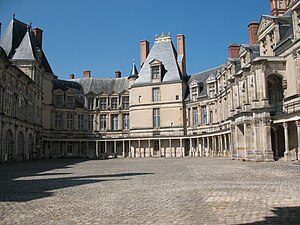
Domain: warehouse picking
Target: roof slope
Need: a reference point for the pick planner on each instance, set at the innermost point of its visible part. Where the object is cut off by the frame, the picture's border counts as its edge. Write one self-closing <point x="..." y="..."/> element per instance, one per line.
<point x="164" y="51"/>
<point x="103" y="85"/>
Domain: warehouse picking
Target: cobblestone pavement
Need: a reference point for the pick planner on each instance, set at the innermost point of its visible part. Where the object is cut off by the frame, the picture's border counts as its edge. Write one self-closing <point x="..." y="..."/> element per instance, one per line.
<point x="149" y="191"/>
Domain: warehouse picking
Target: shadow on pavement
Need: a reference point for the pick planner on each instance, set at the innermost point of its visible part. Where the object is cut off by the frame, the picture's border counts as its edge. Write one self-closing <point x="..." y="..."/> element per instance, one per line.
<point x="283" y="215"/>
<point x="21" y="182"/>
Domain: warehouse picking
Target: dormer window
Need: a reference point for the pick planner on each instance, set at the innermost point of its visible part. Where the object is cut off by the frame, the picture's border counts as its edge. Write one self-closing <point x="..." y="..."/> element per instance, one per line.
<point x="194" y="94"/>
<point x="156" y="70"/>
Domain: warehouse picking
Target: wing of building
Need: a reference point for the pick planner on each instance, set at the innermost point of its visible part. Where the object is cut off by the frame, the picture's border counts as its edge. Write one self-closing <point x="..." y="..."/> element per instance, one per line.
<point x="248" y="108"/>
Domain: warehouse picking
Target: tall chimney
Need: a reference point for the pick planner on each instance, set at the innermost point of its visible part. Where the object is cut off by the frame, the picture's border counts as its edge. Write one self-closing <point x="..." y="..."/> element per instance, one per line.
<point x="233" y="51"/>
<point x="279" y="7"/>
<point x="72" y="76"/>
<point x="144" y="51"/>
<point x="118" y="74"/>
<point x="38" y="32"/>
<point x="181" y="53"/>
<point x="87" y="73"/>
<point x="252" y="30"/>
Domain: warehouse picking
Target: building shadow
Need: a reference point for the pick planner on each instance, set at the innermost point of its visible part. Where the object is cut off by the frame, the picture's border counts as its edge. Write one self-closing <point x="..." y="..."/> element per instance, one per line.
<point x="283" y="215"/>
<point x="21" y="182"/>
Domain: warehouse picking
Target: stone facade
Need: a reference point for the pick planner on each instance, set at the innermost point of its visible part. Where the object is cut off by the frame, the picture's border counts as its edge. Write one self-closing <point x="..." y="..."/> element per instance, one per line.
<point x="247" y="108"/>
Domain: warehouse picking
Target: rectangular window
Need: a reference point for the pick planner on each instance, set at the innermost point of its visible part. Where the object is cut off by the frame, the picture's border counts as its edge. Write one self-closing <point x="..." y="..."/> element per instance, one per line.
<point x="155" y="95"/>
<point x="58" y="120"/>
<point x="80" y="122"/>
<point x="204" y="115"/>
<point x="70" y="121"/>
<point x="103" y="103"/>
<point x="90" y="103"/>
<point x="59" y="100"/>
<point x="155" y="72"/>
<point x="70" y="102"/>
<point x="156" y="118"/>
<point x="126" y="121"/>
<point x="70" y="149"/>
<point x="195" y="116"/>
<point x="194" y="94"/>
<point x="102" y="122"/>
<point x="114" y="103"/>
<point x="114" y="122"/>
<point x="211" y="117"/>
<point x="212" y="90"/>
<point x="125" y="102"/>
<point x="91" y="122"/>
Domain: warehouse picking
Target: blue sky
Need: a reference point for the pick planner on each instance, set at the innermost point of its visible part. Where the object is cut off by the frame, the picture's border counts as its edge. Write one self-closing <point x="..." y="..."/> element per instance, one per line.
<point x="103" y="36"/>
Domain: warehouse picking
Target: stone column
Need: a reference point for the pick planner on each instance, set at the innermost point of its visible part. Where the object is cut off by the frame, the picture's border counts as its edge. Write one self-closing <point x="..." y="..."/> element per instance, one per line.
<point x="238" y="95"/>
<point x="286" y="141"/>
<point x="269" y="155"/>
<point x="258" y="152"/>
<point x="170" y="145"/>
<point x="233" y="140"/>
<point x="298" y="135"/>
<point x="129" y="149"/>
<point x="159" y="147"/>
<point x="181" y="149"/>
<point x="225" y="146"/>
<point x="139" y="143"/>
<point x="208" y="147"/>
<point x="97" y="149"/>
<point x="191" y="148"/>
<point x="198" y="154"/>
<point x="221" y="146"/>
<point x="149" y="148"/>
<point x="123" y="149"/>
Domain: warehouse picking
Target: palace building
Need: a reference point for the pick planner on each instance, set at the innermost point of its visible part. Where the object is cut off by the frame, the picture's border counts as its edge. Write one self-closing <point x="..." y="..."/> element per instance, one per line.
<point x="247" y="108"/>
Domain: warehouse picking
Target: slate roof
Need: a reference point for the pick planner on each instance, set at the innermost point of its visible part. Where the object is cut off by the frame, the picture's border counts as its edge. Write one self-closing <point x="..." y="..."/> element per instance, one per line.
<point x="165" y="52"/>
<point x="65" y="85"/>
<point x="134" y="73"/>
<point x="103" y="85"/>
<point x="20" y="43"/>
<point x="201" y="78"/>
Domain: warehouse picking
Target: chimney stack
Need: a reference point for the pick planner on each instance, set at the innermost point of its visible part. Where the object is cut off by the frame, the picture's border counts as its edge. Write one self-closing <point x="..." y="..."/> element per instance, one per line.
<point x="252" y="30"/>
<point x="87" y="73"/>
<point x="181" y="53"/>
<point x="233" y="51"/>
<point x="72" y="76"/>
<point x="144" y="51"/>
<point x="118" y="74"/>
<point x="279" y="7"/>
<point x="39" y="35"/>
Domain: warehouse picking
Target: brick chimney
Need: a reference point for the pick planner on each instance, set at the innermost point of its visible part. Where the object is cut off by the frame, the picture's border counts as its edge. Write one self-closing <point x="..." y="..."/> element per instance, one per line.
<point x="72" y="76"/>
<point x="233" y="51"/>
<point x="38" y="32"/>
<point x="118" y="74"/>
<point x="87" y="73"/>
<point x="181" y="53"/>
<point x="144" y="51"/>
<point x="252" y="30"/>
<point x="279" y="7"/>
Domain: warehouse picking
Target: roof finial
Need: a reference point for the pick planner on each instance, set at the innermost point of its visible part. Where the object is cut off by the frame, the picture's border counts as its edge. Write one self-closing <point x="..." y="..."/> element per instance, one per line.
<point x="14" y="16"/>
<point x="156" y="36"/>
<point x="133" y="61"/>
<point x="169" y="34"/>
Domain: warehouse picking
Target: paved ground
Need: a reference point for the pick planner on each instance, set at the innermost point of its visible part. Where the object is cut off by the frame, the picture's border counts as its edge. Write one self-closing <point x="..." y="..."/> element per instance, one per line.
<point x="149" y="191"/>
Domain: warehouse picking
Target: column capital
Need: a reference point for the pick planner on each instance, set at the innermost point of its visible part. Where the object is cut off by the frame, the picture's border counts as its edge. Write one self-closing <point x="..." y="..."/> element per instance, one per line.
<point x="297" y="123"/>
<point x="285" y="125"/>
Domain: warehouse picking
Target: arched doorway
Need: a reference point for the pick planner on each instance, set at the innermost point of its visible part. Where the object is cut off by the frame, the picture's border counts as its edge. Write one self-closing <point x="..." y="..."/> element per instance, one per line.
<point x="20" y="147"/>
<point x="9" y="146"/>
<point x="30" y="146"/>
<point x="278" y="143"/>
<point x="275" y="94"/>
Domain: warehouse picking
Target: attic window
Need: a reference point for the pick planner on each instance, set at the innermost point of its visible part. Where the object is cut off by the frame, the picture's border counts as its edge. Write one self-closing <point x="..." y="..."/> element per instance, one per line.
<point x="155" y="71"/>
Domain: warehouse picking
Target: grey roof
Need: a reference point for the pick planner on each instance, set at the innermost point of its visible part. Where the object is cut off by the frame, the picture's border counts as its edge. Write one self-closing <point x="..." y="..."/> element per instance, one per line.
<point x="201" y="78"/>
<point x="134" y="73"/>
<point x="65" y="85"/>
<point x="103" y="85"/>
<point x="165" y="52"/>
<point x="25" y="50"/>
<point x="20" y="43"/>
<point x="13" y="36"/>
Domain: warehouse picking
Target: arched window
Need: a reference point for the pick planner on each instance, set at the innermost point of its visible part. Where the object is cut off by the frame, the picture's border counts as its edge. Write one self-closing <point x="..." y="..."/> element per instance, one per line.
<point x="20" y="107"/>
<point x="30" y="145"/>
<point x="8" y="100"/>
<point x="21" y="144"/>
<point x="9" y="144"/>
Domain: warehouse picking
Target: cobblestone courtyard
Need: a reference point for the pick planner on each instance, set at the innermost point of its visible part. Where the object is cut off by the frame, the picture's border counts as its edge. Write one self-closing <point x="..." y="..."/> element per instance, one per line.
<point x="149" y="191"/>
